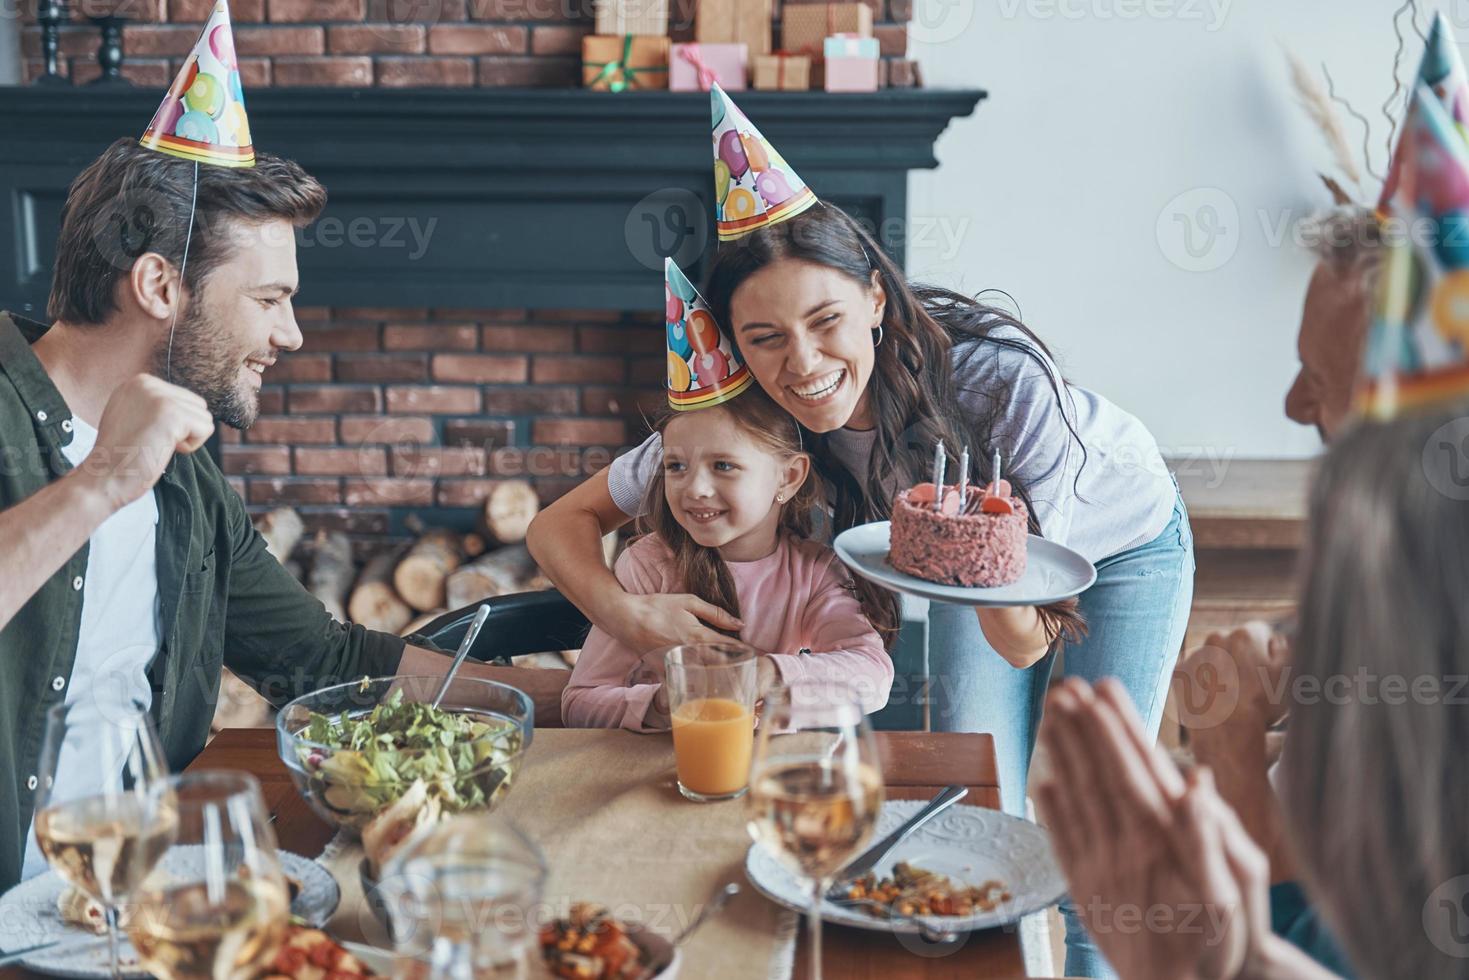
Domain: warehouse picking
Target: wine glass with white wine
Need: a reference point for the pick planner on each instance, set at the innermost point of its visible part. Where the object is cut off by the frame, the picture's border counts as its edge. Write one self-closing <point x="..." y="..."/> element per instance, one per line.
<point x="218" y="908"/>
<point x="102" y="816"/>
<point x="815" y="787"/>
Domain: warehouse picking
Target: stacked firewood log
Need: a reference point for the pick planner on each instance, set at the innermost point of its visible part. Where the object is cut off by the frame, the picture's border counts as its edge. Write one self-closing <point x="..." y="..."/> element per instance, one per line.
<point x="403" y="587"/>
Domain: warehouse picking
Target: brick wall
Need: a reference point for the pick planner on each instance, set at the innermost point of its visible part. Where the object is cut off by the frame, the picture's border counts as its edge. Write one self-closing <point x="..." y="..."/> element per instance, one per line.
<point x="390" y="43"/>
<point x="387" y="413"/>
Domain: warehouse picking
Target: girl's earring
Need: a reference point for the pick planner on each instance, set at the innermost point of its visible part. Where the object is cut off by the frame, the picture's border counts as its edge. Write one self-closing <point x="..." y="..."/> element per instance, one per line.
<point x="780" y="498"/>
<point x="877" y="336"/>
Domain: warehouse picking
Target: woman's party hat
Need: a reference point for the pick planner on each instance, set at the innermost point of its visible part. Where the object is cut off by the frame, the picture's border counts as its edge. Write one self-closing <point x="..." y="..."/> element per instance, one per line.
<point x="1417" y="350"/>
<point x="704" y="366"/>
<point x="202" y="117"/>
<point x="753" y="185"/>
<point x="1442" y="72"/>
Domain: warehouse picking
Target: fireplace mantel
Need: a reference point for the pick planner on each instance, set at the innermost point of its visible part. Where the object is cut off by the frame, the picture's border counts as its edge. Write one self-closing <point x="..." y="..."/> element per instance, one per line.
<point x="520" y="198"/>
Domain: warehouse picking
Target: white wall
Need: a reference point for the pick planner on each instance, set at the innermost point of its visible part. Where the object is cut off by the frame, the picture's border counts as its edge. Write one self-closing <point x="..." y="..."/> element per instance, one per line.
<point x="1063" y="189"/>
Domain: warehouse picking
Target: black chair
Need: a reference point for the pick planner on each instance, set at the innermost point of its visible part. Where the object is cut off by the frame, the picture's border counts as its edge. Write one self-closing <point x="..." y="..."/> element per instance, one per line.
<point x="525" y="622"/>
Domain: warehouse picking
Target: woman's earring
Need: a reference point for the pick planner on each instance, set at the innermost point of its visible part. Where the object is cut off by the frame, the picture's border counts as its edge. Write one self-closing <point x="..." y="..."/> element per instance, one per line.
<point x="877" y="336"/>
<point x="780" y="498"/>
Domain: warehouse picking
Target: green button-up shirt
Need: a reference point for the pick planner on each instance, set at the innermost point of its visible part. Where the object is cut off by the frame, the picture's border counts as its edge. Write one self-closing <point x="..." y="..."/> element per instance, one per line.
<point x="223" y="601"/>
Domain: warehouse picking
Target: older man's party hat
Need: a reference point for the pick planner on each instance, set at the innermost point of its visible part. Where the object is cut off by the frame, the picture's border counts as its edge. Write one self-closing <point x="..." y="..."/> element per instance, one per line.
<point x="202" y="117"/>
<point x="1442" y="72"/>
<point x="1418" y="345"/>
<point x="753" y="184"/>
<point x="704" y="366"/>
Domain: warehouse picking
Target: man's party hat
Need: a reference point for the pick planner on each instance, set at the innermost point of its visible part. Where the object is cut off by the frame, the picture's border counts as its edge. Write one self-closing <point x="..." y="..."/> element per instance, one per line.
<point x="1442" y="71"/>
<point x="1417" y="351"/>
<point x="202" y="117"/>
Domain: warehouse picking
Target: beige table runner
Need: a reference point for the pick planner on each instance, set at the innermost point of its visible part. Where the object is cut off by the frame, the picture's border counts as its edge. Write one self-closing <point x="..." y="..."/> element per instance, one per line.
<point x="605" y="809"/>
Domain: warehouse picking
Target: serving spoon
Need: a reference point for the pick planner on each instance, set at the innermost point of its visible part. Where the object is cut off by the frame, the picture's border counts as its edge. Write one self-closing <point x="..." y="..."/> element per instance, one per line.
<point x="715" y="904"/>
<point x="470" y="635"/>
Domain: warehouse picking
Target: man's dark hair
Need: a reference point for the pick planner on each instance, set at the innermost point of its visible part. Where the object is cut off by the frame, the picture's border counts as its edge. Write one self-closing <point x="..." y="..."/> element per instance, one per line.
<point x="132" y="200"/>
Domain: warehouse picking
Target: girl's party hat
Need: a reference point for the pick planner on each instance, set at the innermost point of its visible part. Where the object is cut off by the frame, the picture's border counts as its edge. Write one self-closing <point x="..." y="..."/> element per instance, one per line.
<point x="1442" y="72"/>
<point x="1417" y="350"/>
<point x="202" y="117"/>
<point x="704" y="366"/>
<point x="753" y="185"/>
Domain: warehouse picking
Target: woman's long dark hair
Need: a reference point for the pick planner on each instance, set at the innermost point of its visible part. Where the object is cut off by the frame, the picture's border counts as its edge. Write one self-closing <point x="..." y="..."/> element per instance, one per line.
<point x="699" y="570"/>
<point x="914" y="397"/>
<point x="1373" y="786"/>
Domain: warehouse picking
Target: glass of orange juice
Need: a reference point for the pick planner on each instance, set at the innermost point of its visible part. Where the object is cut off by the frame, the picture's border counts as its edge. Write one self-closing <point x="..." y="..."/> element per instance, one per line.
<point x="711" y="694"/>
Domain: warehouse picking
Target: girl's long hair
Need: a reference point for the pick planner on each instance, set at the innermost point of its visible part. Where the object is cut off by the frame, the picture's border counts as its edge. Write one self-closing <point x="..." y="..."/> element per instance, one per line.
<point x="698" y="569"/>
<point x="1373" y="786"/>
<point x="914" y="397"/>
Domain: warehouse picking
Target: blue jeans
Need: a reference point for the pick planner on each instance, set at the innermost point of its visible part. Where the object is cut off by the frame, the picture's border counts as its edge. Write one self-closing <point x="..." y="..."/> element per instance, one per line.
<point x="1136" y="613"/>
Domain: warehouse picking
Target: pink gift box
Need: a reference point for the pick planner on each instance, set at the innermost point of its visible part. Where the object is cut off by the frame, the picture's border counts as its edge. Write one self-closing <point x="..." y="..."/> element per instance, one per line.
<point x="851" y="74"/>
<point x="727" y="64"/>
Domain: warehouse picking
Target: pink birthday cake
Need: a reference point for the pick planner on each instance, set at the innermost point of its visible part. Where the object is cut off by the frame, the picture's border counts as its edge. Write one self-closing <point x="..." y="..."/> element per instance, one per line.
<point x="979" y="544"/>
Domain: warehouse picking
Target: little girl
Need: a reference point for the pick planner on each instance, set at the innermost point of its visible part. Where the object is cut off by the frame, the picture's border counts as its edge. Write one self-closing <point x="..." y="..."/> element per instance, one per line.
<point x="728" y="519"/>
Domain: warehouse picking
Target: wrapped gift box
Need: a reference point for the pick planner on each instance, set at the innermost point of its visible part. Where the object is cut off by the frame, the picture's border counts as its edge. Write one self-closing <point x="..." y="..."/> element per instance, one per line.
<point x="744" y="22"/>
<point x="620" y="17"/>
<point x="727" y="64"/>
<point x="806" y="27"/>
<point x="780" y="71"/>
<point x="615" y="64"/>
<point x="902" y="73"/>
<point x="852" y="64"/>
<point x="851" y="74"/>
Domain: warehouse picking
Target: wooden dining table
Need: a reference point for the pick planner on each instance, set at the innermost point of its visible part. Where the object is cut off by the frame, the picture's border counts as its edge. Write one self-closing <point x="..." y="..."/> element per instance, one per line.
<point x="916" y="765"/>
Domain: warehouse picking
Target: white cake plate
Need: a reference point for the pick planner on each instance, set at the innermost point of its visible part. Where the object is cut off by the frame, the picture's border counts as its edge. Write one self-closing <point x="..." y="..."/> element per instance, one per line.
<point x="1052" y="572"/>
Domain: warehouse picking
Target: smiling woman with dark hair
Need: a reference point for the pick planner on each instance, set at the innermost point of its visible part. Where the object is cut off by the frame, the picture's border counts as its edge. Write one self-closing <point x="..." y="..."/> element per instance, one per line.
<point x="877" y="370"/>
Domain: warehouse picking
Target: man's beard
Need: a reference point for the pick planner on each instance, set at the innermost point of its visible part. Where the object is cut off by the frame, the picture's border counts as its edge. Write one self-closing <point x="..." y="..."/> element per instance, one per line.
<point x="202" y="362"/>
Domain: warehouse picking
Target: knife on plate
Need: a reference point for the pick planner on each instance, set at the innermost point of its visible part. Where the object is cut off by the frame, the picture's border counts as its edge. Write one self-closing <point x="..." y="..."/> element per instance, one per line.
<point x="870" y="858"/>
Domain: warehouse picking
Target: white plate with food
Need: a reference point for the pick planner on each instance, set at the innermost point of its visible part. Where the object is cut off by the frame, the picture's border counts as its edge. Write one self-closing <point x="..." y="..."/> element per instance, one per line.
<point x="1052" y="572"/>
<point x="30" y="915"/>
<point x="998" y="868"/>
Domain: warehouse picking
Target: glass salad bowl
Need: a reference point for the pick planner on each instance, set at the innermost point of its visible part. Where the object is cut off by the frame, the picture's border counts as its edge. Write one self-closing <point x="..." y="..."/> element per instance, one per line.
<point x="374" y="758"/>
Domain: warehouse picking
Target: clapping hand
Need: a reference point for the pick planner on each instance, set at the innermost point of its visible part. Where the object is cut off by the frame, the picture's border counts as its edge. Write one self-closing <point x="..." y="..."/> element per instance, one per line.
<point x="1231" y="691"/>
<point x="1165" y="878"/>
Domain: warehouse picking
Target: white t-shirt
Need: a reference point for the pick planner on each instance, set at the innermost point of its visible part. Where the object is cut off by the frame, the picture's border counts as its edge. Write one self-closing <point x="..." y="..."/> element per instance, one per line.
<point x="1122" y="498"/>
<point x="119" y="633"/>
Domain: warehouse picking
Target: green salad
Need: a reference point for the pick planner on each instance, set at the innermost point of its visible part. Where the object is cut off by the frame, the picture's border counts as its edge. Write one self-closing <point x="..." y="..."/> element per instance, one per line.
<point x="372" y="759"/>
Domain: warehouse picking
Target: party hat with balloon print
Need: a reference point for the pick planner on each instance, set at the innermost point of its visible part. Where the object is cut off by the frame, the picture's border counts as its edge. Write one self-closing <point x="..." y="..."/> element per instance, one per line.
<point x="1417" y="351"/>
<point x="753" y="185"/>
<point x="202" y="117"/>
<point x="704" y="366"/>
<point x="1442" y="71"/>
